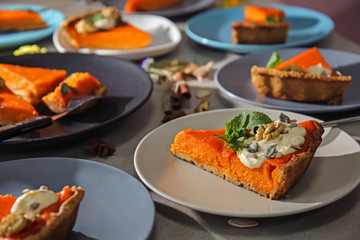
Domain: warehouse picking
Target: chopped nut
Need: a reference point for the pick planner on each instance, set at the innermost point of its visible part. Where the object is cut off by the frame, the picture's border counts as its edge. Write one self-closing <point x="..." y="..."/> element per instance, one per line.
<point x="34" y="205"/>
<point x="269" y="131"/>
<point x="44" y="188"/>
<point x="13" y="223"/>
<point x="101" y="148"/>
<point x="203" y="93"/>
<point x="203" y="105"/>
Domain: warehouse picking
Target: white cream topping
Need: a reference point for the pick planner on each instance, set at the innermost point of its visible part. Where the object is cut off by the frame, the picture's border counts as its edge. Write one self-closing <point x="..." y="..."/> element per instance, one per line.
<point x="32" y="202"/>
<point x="286" y="143"/>
<point x="319" y="69"/>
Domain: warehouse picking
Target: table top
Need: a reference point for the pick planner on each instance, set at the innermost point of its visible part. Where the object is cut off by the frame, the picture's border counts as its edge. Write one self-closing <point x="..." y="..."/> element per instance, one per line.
<point x="338" y="220"/>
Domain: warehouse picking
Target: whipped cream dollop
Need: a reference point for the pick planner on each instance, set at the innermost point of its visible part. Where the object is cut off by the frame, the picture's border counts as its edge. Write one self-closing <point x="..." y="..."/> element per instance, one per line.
<point x="286" y="143"/>
<point x="32" y="202"/>
<point x="319" y="69"/>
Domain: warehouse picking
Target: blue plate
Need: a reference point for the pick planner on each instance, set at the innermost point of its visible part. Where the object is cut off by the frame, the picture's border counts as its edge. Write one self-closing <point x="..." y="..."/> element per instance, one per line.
<point x="213" y="28"/>
<point x="234" y="79"/>
<point x="52" y="18"/>
<point x="115" y="205"/>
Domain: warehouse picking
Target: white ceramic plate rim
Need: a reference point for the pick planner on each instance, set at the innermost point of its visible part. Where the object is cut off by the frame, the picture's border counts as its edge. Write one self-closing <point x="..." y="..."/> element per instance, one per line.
<point x="132" y="54"/>
<point x="290" y="206"/>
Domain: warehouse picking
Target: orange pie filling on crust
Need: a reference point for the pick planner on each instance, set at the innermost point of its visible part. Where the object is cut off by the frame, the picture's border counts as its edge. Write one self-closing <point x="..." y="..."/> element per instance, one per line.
<point x="104" y="29"/>
<point x="20" y="20"/>
<point x="272" y="179"/>
<point x="40" y="214"/>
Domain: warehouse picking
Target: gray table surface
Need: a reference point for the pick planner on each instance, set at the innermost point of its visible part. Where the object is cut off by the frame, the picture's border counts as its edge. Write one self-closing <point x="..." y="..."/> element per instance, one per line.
<point x="339" y="220"/>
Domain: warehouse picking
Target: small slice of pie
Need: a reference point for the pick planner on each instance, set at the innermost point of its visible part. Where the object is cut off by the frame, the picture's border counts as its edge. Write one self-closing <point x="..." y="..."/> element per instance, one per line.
<point x="40" y="214"/>
<point x="31" y="83"/>
<point x="14" y="109"/>
<point x="262" y="25"/>
<point x="148" y="5"/>
<point x="20" y="20"/>
<point x="306" y="77"/>
<point x="77" y="84"/>
<point x="103" y="29"/>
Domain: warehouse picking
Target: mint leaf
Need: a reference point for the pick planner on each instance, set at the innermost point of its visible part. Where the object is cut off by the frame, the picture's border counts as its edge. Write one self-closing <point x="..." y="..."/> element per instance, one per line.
<point x="274" y="60"/>
<point x="96" y="17"/>
<point x="237" y="131"/>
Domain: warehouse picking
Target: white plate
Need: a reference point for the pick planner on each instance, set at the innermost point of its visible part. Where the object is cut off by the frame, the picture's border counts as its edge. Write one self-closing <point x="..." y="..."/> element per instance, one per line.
<point x="165" y="37"/>
<point x="195" y="188"/>
<point x="115" y="204"/>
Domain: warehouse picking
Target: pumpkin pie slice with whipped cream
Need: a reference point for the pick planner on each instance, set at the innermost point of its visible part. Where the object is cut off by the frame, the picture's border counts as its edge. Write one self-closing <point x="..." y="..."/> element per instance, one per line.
<point x="103" y="29"/>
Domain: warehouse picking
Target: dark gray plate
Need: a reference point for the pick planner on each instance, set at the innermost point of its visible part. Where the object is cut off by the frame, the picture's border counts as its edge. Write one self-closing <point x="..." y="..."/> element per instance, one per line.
<point x="126" y="81"/>
<point x="115" y="206"/>
<point x="183" y="8"/>
<point x="235" y="80"/>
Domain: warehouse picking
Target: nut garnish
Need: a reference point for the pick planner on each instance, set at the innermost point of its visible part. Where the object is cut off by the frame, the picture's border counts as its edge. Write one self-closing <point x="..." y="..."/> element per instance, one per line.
<point x="13" y="223"/>
<point x="269" y="131"/>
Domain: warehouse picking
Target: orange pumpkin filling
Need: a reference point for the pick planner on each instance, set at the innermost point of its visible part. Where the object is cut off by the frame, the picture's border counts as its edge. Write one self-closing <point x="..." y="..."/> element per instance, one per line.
<point x="206" y="149"/>
<point x="123" y="37"/>
<point x="7" y="201"/>
<point x="148" y="5"/>
<point x="262" y="14"/>
<point x="20" y="20"/>
<point x="31" y="83"/>
<point x="306" y="59"/>
<point x="14" y="109"/>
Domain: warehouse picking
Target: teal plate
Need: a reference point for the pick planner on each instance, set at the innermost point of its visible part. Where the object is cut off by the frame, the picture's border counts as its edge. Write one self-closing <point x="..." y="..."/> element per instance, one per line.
<point x="52" y="18"/>
<point x="213" y="28"/>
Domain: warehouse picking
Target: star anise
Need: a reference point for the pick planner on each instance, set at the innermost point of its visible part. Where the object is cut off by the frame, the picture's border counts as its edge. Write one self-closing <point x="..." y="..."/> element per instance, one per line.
<point x="171" y="115"/>
<point x="101" y="148"/>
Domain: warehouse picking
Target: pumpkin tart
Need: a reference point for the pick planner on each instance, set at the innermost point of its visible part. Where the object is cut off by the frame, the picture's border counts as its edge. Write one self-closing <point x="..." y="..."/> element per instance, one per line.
<point x="77" y="84"/>
<point x="272" y="179"/>
<point x="292" y="79"/>
<point x="44" y="219"/>
<point x="30" y="83"/>
<point x="103" y="29"/>
<point x="14" y="109"/>
<point x="20" y="20"/>
<point x="262" y="25"/>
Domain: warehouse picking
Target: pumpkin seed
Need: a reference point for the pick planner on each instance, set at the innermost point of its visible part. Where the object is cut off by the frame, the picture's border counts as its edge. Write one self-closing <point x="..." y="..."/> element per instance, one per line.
<point x="203" y="93"/>
<point x="243" y="222"/>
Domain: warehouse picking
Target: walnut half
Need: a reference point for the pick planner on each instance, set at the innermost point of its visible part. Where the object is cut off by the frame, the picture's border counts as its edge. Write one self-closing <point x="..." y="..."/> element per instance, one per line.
<point x="13" y="223"/>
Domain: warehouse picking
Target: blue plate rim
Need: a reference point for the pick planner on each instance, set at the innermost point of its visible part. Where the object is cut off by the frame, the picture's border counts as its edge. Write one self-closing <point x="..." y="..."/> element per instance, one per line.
<point x="31" y="35"/>
<point x="247" y="48"/>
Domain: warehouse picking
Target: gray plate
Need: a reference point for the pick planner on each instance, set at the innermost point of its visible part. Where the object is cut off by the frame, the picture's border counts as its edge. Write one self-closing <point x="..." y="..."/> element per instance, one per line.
<point x="124" y="80"/>
<point x="235" y="80"/>
<point x="115" y="206"/>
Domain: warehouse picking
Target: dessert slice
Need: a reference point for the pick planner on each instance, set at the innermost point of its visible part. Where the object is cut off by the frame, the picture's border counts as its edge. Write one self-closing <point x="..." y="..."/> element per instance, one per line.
<point x="31" y="83"/>
<point x="148" y="5"/>
<point x="306" y="77"/>
<point x="14" y="109"/>
<point x="77" y="84"/>
<point x="262" y="25"/>
<point x="103" y="29"/>
<point x="20" y="20"/>
<point x="261" y="155"/>
<point x="40" y="214"/>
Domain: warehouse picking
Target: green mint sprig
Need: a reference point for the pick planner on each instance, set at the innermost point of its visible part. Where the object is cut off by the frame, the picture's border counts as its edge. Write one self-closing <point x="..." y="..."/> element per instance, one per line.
<point x="237" y="130"/>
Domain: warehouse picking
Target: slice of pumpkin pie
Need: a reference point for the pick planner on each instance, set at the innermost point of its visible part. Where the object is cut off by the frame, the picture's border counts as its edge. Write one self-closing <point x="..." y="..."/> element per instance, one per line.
<point x="255" y="152"/>
<point x="20" y="20"/>
<point x="30" y="83"/>
<point x="103" y="29"/>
